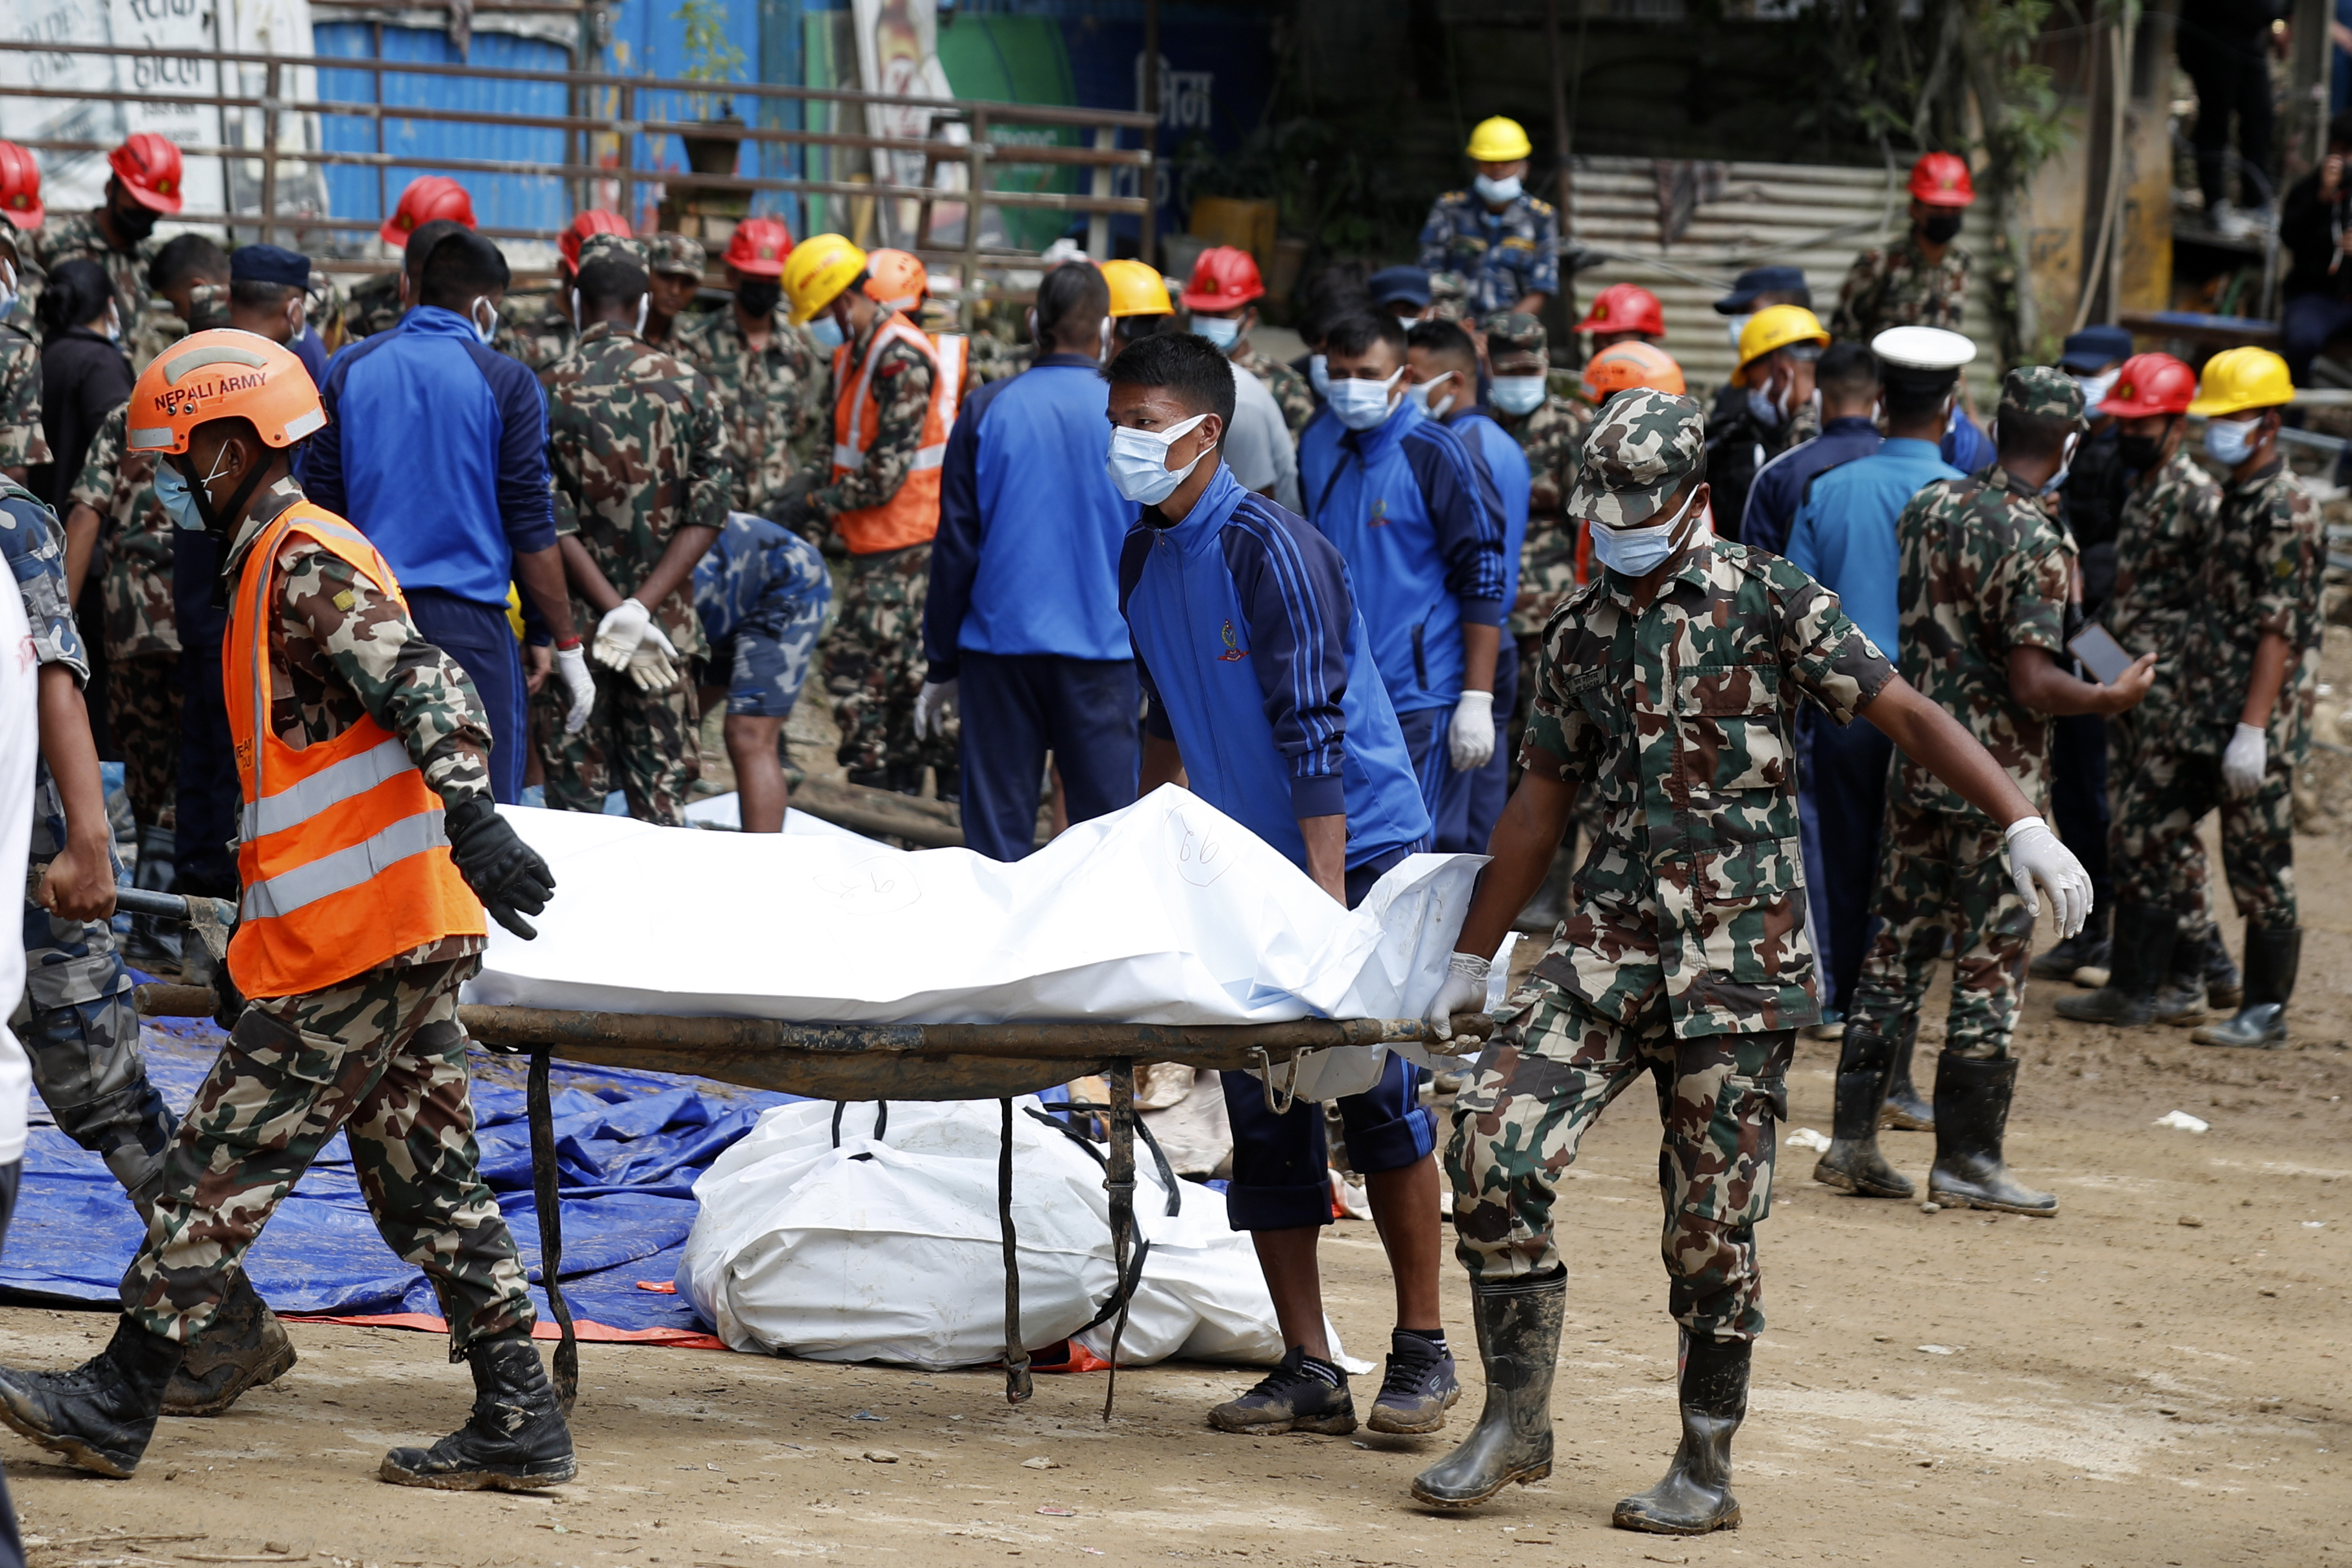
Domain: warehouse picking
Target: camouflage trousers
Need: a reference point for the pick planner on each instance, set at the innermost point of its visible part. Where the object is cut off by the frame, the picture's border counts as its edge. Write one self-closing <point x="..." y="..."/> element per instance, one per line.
<point x="873" y="662"/>
<point x="1940" y="872"/>
<point x="143" y="698"/>
<point x="76" y="1023"/>
<point x="2159" y="861"/>
<point x="2182" y="882"/>
<point x="642" y="744"/>
<point x="380" y="1058"/>
<point x="1546" y="1076"/>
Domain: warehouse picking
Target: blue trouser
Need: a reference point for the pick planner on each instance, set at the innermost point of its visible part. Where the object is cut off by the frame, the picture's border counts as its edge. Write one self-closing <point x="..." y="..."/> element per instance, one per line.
<point x="482" y="641"/>
<point x="1490" y="786"/>
<point x="1018" y="707"/>
<point x="2305" y="324"/>
<point x="203" y="852"/>
<point x="1840" y="805"/>
<point x="1445" y="789"/>
<point x="2078" y="800"/>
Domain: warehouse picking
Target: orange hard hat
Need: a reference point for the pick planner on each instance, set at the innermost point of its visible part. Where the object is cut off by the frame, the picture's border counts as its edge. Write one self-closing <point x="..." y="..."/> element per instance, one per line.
<point x="588" y="221"/>
<point x="894" y="280"/>
<point x="1622" y="365"/>
<point x="2148" y="384"/>
<point x="149" y="167"/>
<point x="429" y="198"/>
<point x="220" y="374"/>
<point x="1225" y="279"/>
<point x="1625" y="308"/>
<point x="1941" y="180"/>
<point x="20" y="186"/>
<point x="760" y="247"/>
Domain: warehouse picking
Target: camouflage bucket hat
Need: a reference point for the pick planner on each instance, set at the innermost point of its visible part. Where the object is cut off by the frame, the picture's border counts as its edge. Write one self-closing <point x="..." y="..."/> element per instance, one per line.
<point x="675" y="253"/>
<point x="1514" y="331"/>
<point x="612" y="248"/>
<point x="1644" y="446"/>
<point x="2042" y="391"/>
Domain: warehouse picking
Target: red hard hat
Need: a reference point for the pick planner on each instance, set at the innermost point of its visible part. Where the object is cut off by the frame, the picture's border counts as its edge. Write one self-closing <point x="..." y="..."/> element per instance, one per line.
<point x="759" y="247"/>
<point x="2148" y="384"/>
<point x="1625" y="308"/>
<point x="1941" y="180"/>
<point x="20" y="186"/>
<point x="149" y="167"/>
<point x="429" y="198"/>
<point x="1225" y="279"/>
<point x="588" y="221"/>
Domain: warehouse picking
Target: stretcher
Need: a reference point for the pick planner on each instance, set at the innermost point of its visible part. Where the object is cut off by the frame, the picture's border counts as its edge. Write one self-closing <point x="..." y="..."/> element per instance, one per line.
<point x="844" y="1062"/>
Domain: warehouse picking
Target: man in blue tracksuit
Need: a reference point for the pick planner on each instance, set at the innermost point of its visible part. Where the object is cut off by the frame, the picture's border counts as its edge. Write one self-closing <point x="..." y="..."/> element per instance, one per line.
<point x="1022" y="624"/>
<point x="1442" y="363"/>
<point x="435" y="447"/>
<point x="1406" y="502"/>
<point x="1263" y="699"/>
<point x="1847" y="375"/>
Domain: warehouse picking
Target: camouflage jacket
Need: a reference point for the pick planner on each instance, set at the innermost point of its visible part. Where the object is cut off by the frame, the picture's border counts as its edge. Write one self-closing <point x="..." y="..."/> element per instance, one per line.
<point x="770" y="398"/>
<point x="1552" y="435"/>
<point x="1987" y="567"/>
<point x="2162" y="541"/>
<point x="994" y="359"/>
<point x="61" y="239"/>
<point x="1679" y="714"/>
<point x="341" y="647"/>
<point x="638" y="451"/>
<point x="1897" y="286"/>
<point x="135" y="534"/>
<point x="902" y="393"/>
<point x="539" y="340"/>
<point x="2262" y="573"/>
<point x="35" y="546"/>
<point x="1499" y="257"/>
<point x="22" y="443"/>
<point x="372" y="306"/>
<point x="1291" y="392"/>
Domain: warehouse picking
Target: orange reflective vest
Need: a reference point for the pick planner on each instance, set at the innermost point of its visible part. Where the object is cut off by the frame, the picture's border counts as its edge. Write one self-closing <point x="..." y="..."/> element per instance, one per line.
<point x="911" y="516"/>
<point x="339" y="848"/>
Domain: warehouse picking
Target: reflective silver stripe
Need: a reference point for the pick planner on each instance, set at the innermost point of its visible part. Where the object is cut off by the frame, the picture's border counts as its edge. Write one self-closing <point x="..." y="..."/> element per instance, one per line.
<point x="894" y="328"/>
<point x="848" y="458"/>
<point x="350" y="777"/>
<point x="345" y="868"/>
<point x="929" y="457"/>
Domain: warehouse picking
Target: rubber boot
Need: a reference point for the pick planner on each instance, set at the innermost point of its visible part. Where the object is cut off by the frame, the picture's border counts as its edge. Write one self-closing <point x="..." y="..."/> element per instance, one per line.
<point x="243" y="1347"/>
<point x="1695" y="1495"/>
<point x="2146" y="938"/>
<point x="2182" y="1001"/>
<point x="100" y="1414"/>
<point x="517" y="1440"/>
<point x="1904" y="1110"/>
<point x="2271" y="959"/>
<point x="1854" y="1163"/>
<point x="2223" y="987"/>
<point x="1972" y="1096"/>
<point x="1519" y="1339"/>
<point x="1549" y="906"/>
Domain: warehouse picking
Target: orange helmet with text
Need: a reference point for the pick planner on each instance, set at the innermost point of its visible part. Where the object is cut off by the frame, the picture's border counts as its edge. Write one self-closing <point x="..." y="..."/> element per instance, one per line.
<point x="895" y="279"/>
<point x="219" y="375"/>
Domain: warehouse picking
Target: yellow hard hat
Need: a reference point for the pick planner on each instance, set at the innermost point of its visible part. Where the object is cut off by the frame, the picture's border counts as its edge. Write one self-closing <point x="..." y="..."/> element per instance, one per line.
<point x="1136" y="290"/>
<point x="1499" y="140"/>
<point x="817" y="270"/>
<point x="2238" y="379"/>
<point x="1776" y="327"/>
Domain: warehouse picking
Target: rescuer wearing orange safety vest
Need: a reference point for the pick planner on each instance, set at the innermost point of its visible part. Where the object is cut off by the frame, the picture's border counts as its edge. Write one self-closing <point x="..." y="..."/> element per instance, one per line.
<point x="894" y="395"/>
<point x="368" y="850"/>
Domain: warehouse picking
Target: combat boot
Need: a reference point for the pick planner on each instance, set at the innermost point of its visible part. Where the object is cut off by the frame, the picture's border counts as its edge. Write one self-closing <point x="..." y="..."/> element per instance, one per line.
<point x="2182" y="1001"/>
<point x="1519" y="1339"/>
<point x="1854" y="1163"/>
<point x="517" y="1440"/>
<point x="1973" y="1096"/>
<point x="2271" y="959"/>
<point x="1904" y="1110"/>
<point x="2146" y="938"/>
<point x="100" y="1414"/>
<point x="2223" y="987"/>
<point x="243" y="1347"/>
<point x="1695" y="1495"/>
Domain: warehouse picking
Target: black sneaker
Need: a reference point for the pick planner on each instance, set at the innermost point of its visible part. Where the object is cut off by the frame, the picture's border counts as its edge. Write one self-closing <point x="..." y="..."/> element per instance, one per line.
<point x="1291" y="1399"/>
<point x="1419" y="1389"/>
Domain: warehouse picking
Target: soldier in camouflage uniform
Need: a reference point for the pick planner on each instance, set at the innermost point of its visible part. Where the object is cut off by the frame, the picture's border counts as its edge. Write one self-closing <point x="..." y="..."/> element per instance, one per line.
<point x="762" y="591"/>
<point x="675" y="263"/>
<point x="638" y="449"/>
<point x="142" y="643"/>
<point x="770" y="380"/>
<point x="1922" y="280"/>
<point x="22" y="443"/>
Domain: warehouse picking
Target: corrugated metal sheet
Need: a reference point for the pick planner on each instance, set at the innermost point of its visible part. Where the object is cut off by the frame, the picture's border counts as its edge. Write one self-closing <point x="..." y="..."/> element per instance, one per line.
<point x="1815" y="217"/>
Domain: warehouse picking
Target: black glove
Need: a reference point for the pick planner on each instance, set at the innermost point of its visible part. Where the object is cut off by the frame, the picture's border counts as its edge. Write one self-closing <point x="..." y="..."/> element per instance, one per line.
<point x="505" y="873"/>
<point x="228" y="1002"/>
<point x="791" y="508"/>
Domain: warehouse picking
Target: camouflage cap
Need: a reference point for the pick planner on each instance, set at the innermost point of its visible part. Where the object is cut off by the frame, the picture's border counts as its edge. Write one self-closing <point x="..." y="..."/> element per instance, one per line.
<point x="1644" y="445"/>
<point x="612" y="248"/>
<point x="208" y="307"/>
<point x="675" y="253"/>
<point x="1514" y="331"/>
<point x="2042" y="391"/>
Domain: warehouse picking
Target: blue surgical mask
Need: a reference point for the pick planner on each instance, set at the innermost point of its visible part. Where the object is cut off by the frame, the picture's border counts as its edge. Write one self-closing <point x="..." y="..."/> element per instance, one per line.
<point x="1635" y="552"/>
<point x="826" y="331"/>
<point x="178" y="501"/>
<point x="1765" y="409"/>
<point x="1222" y="331"/>
<point x="1360" y="405"/>
<point x="1319" y="375"/>
<point x="1518" y="393"/>
<point x="1733" y="326"/>
<point x="1138" y="463"/>
<point x="2230" y="442"/>
<point x="1497" y="190"/>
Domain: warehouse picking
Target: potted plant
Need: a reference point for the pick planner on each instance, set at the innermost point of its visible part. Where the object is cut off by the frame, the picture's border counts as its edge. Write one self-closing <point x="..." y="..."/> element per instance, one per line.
<point x="711" y="56"/>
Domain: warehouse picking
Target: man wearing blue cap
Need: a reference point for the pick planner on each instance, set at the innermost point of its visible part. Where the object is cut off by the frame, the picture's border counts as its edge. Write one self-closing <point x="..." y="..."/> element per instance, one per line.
<point x="1400" y="291"/>
<point x="1758" y="289"/>
<point x="269" y="294"/>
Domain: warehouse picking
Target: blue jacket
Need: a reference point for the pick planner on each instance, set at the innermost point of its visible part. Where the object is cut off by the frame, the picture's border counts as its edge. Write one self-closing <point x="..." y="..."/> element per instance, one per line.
<point x="1256" y="663"/>
<point x="1408" y="506"/>
<point x="436" y="448"/>
<point x="1779" y="486"/>
<point x="1964" y="445"/>
<point x="1026" y="558"/>
<point x="1844" y="537"/>
<point x="1506" y="463"/>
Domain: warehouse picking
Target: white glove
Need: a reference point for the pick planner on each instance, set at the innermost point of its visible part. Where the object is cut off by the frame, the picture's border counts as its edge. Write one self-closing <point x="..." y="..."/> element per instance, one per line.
<point x="937" y="706"/>
<point x="2036" y="856"/>
<point x="571" y="669"/>
<point x="1471" y="738"/>
<point x="1464" y="991"/>
<point x="2242" y="763"/>
<point x="618" y="634"/>
<point x="653" y="667"/>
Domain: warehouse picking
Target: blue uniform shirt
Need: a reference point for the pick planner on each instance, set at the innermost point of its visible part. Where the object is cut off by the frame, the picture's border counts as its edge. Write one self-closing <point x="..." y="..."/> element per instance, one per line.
<point x="1844" y="537"/>
<point x="1779" y="486"/>
<point x="1256" y="665"/>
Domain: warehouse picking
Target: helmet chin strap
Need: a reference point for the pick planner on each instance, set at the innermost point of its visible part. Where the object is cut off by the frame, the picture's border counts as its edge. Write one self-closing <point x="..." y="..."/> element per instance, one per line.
<point x="220" y="524"/>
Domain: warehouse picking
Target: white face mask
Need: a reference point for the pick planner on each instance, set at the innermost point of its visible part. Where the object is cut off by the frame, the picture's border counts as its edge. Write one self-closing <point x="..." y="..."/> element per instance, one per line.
<point x="1635" y="552"/>
<point x="1497" y="191"/>
<point x="1733" y="326"/>
<point x="645" y="309"/>
<point x="113" y="325"/>
<point x="1359" y="403"/>
<point x="2065" y="463"/>
<point x="1138" y="463"/>
<point x="2096" y="389"/>
<point x="1222" y="331"/>
<point x="1518" y="393"/>
<point x="485" y="317"/>
<point x="8" y="289"/>
<point x="2231" y="442"/>
<point x="1319" y="375"/>
<point x="1426" y="394"/>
